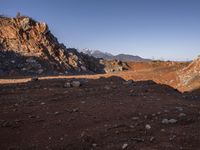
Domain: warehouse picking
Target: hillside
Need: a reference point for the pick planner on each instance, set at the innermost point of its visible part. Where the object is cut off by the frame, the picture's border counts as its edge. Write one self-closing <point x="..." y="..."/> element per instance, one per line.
<point x="28" y="47"/>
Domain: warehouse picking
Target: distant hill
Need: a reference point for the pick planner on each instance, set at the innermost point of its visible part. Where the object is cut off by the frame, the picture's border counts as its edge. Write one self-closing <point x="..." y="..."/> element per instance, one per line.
<point x="108" y="56"/>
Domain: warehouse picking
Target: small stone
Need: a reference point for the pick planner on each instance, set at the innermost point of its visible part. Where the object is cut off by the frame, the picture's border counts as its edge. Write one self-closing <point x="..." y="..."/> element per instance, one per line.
<point x="166" y="111"/>
<point x="43" y="103"/>
<point x="40" y="71"/>
<point x="152" y="139"/>
<point x="172" y="121"/>
<point x="76" y="83"/>
<point x="165" y="121"/>
<point x="162" y="130"/>
<point x="107" y="87"/>
<point x="135" y="118"/>
<point x="172" y="138"/>
<point x="182" y="115"/>
<point x="159" y="113"/>
<point x="147" y="126"/>
<point x="67" y="85"/>
<point x="124" y="146"/>
<point x="83" y="68"/>
<point x="94" y="145"/>
<point x="56" y="113"/>
<point x="179" y="108"/>
<point x="61" y="139"/>
<point x="75" y="110"/>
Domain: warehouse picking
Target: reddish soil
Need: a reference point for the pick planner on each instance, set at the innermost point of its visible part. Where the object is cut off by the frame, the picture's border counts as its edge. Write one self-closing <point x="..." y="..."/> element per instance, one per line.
<point x="104" y="113"/>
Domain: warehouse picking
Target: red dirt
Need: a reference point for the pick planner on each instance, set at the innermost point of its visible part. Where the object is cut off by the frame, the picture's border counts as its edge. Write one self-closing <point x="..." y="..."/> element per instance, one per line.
<point x="101" y="114"/>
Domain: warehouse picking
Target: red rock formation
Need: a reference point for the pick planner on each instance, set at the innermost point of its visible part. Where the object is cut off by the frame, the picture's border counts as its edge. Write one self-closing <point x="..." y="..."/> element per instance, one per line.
<point x="34" y="41"/>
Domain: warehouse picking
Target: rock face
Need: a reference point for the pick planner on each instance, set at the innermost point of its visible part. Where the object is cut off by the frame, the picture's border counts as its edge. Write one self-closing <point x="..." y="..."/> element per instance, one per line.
<point x="190" y="76"/>
<point x="28" y="47"/>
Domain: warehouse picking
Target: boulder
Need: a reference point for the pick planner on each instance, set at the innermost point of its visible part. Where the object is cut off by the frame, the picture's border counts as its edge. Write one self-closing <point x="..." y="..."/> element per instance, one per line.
<point x="76" y="83"/>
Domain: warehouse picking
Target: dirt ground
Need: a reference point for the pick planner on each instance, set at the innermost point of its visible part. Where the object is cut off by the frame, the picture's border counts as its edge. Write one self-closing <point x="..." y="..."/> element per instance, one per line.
<point x="105" y="112"/>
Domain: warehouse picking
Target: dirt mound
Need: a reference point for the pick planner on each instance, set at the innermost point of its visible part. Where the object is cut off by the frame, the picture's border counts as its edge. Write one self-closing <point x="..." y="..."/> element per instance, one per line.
<point x="34" y="49"/>
<point x="190" y="76"/>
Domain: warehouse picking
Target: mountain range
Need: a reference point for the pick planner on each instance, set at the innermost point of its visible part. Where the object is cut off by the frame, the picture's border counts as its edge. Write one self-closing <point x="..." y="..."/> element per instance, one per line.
<point x="109" y="56"/>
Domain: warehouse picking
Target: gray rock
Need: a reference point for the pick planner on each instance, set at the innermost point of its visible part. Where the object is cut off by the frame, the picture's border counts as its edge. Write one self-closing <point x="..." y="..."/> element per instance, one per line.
<point x="94" y="145"/>
<point x="124" y="146"/>
<point x="83" y="68"/>
<point x="135" y="118"/>
<point x="172" y="121"/>
<point x="182" y="115"/>
<point x="67" y="85"/>
<point x="169" y="121"/>
<point x="56" y="113"/>
<point x="147" y="126"/>
<point x="40" y="71"/>
<point x="165" y="121"/>
<point x="179" y="108"/>
<point x="76" y="83"/>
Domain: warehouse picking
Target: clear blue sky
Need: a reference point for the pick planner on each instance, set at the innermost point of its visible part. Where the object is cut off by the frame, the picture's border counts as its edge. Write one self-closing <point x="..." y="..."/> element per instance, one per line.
<point x="168" y="29"/>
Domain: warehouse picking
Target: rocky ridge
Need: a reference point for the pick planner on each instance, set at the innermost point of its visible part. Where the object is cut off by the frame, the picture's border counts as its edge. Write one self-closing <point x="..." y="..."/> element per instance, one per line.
<point x="28" y="47"/>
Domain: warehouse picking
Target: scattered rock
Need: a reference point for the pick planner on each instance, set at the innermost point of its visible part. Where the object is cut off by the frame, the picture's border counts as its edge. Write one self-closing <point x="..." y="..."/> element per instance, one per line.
<point x="179" y="108"/>
<point x="42" y="103"/>
<point x="162" y="130"/>
<point x="94" y="145"/>
<point x="152" y="139"/>
<point x="165" y="121"/>
<point x="169" y="121"/>
<point x="56" y="113"/>
<point x="67" y="85"/>
<point x="182" y="115"/>
<point x="158" y="113"/>
<point x="124" y="146"/>
<point x="75" y="110"/>
<point x="172" y="138"/>
<point x="107" y="87"/>
<point x="147" y="126"/>
<point x="172" y="121"/>
<point x="135" y="118"/>
<point x="76" y="83"/>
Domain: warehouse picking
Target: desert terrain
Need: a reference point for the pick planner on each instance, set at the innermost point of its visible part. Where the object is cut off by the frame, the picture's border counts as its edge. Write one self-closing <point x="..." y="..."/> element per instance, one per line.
<point x="105" y="112"/>
<point x="54" y="98"/>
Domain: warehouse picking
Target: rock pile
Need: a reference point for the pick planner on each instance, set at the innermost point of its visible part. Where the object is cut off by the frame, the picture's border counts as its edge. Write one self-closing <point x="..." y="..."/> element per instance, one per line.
<point x="28" y="47"/>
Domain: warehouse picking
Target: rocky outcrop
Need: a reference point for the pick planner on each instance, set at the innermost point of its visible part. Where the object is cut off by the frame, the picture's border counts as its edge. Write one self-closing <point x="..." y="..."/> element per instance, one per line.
<point x="28" y="46"/>
<point x="190" y="76"/>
